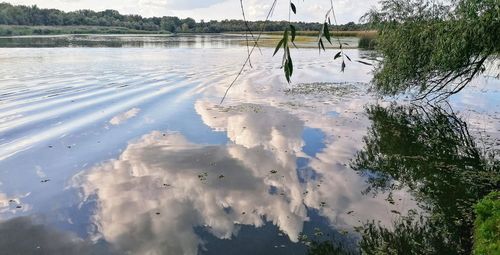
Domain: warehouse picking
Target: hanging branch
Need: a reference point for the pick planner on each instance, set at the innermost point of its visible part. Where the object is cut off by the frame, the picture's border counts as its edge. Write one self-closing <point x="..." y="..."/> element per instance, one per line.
<point x="338" y="38"/>
<point x="288" y="39"/>
<point x="248" y="31"/>
<point x="251" y="51"/>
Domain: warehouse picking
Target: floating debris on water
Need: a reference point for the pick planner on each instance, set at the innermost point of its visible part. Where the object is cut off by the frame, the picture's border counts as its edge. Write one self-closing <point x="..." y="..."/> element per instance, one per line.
<point x="318" y="232"/>
<point x="203" y="176"/>
<point x="325" y="88"/>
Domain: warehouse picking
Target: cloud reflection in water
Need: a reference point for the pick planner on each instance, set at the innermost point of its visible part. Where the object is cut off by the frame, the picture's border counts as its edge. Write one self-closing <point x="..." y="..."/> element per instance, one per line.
<point x="162" y="187"/>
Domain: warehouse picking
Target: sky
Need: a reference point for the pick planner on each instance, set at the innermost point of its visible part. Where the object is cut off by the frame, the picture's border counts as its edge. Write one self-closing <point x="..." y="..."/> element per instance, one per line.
<point x="307" y="10"/>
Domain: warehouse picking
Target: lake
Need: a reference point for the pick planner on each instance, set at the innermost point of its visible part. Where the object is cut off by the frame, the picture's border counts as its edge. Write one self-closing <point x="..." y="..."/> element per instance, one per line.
<point x="121" y="146"/>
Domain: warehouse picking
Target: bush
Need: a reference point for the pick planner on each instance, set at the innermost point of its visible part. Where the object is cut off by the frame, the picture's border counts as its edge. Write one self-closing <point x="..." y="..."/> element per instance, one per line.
<point x="5" y="32"/>
<point x="487" y="225"/>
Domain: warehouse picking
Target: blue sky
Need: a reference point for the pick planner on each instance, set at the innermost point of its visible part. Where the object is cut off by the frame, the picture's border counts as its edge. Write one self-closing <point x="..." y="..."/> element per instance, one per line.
<point x="307" y="10"/>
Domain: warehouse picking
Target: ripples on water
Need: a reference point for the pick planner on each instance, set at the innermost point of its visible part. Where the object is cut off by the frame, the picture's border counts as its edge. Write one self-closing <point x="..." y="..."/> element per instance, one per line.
<point x="108" y="150"/>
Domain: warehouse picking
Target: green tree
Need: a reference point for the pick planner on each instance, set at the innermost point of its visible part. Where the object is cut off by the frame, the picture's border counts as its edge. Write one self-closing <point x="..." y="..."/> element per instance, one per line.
<point x="185" y="27"/>
<point x="432" y="47"/>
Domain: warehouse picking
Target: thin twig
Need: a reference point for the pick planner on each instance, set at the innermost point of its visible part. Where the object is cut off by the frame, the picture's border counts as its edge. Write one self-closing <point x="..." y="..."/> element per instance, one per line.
<point x="251" y="51"/>
<point x="336" y="24"/>
<point x="248" y="30"/>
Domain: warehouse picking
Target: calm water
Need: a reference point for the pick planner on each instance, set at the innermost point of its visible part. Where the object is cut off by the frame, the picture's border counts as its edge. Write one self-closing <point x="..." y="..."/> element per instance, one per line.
<point x="125" y="41"/>
<point x="127" y="151"/>
<point x="156" y="41"/>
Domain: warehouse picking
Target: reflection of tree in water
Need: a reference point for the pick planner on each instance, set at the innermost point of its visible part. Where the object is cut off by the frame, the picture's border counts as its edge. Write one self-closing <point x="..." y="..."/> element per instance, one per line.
<point x="430" y="151"/>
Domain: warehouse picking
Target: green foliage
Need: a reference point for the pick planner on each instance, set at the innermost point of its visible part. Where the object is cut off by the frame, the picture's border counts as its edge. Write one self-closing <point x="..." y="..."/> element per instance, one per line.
<point x="487" y="225"/>
<point x="294" y="9"/>
<point x="431" y="153"/>
<point x="34" y="16"/>
<point x="8" y="30"/>
<point x="324" y="33"/>
<point x="428" y="47"/>
<point x="287" y="64"/>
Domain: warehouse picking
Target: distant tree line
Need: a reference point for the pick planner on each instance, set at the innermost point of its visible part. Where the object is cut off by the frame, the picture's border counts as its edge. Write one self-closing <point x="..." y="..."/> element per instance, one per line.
<point x="34" y="16"/>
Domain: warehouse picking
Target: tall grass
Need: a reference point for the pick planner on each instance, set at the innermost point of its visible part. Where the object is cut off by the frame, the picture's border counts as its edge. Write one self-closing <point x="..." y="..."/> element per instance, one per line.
<point x="333" y="33"/>
<point x="367" y="40"/>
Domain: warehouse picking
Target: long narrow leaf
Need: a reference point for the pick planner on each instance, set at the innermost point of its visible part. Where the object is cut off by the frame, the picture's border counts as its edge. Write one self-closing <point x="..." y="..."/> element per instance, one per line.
<point x="285" y="38"/>
<point x="364" y="63"/>
<point x="337" y="55"/>
<point x="321" y="45"/>
<point x="278" y="47"/>
<point x="321" y="31"/>
<point x="287" y="72"/>
<point x="326" y="32"/>
<point x="290" y="63"/>
<point x="293" y="31"/>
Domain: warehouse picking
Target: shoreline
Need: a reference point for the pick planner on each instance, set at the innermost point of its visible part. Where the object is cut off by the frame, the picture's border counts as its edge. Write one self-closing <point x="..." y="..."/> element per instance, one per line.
<point x="22" y="30"/>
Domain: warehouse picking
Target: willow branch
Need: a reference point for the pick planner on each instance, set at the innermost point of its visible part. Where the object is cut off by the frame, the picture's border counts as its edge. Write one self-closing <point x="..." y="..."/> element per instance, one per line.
<point x="250" y="53"/>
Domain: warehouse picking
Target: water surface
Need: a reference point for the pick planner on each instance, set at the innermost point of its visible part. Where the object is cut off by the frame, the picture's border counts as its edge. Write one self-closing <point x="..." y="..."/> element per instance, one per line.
<point x="127" y="150"/>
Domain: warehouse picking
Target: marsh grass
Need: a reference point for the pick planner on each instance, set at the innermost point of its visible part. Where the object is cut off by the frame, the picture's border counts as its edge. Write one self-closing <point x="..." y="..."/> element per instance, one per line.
<point x="333" y="33"/>
<point x="301" y="41"/>
<point x="309" y="39"/>
<point x="367" y="41"/>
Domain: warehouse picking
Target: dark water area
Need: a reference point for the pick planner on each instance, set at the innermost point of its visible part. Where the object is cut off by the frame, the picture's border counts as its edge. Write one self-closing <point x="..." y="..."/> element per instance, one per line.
<point x="127" y="150"/>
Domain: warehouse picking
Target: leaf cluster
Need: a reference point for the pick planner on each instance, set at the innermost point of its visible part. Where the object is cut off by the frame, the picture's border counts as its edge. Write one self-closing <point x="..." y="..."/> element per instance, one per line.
<point x="434" y="48"/>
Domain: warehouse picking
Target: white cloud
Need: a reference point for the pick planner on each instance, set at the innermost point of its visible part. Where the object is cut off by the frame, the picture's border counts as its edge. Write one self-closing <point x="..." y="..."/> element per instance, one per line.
<point x="119" y="119"/>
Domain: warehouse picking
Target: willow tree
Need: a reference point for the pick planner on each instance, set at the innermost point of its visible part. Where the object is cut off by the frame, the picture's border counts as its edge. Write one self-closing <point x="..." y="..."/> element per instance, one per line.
<point x="434" y="48"/>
